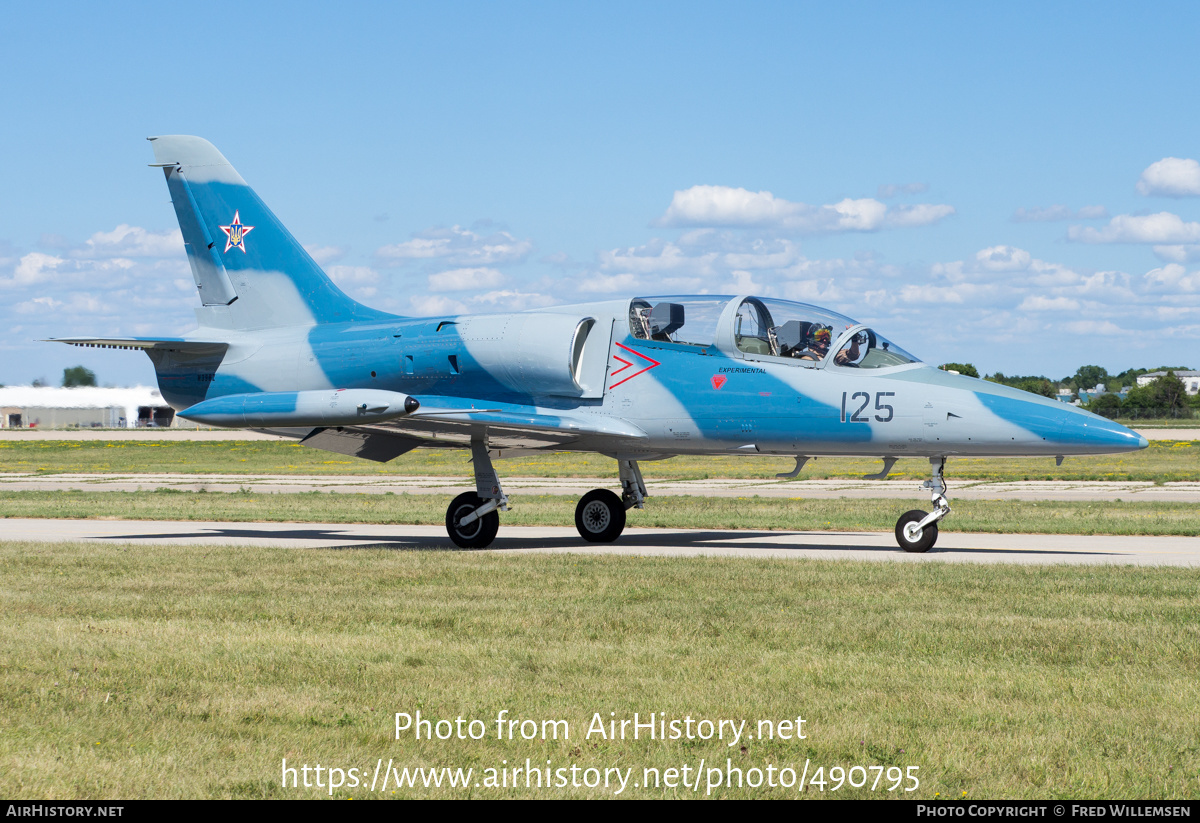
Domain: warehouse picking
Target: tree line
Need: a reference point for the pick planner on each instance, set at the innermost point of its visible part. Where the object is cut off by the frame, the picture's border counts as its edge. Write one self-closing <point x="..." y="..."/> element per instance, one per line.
<point x="1166" y="396"/>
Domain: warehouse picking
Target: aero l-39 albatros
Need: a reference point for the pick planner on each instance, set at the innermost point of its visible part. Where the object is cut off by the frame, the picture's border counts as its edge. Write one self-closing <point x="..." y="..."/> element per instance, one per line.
<point x="280" y="348"/>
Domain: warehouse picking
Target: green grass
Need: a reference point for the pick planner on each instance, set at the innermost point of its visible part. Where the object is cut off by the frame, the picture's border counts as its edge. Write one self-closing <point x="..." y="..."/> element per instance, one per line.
<point x="1163" y="461"/>
<point x="182" y="672"/>
<point x="1011" y="516"/>
<point x="1162" y="422"/>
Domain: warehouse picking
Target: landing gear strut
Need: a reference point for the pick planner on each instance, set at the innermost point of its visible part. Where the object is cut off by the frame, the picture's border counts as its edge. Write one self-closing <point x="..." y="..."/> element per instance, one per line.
<point x="472" y="520"/>
<point x="600" y="515"/>
<point x="917" y="531"/>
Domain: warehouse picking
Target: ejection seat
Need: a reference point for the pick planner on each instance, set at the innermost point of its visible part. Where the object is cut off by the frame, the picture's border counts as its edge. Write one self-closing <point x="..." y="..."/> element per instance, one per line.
<point x="791" y="337"/>
<point x="665" y="320"/>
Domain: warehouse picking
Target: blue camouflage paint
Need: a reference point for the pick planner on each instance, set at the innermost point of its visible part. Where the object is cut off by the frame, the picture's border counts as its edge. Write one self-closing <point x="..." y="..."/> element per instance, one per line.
<point x="236" y="404"/>
<point x="271" y="247"/>
<point x="777" y="411"/>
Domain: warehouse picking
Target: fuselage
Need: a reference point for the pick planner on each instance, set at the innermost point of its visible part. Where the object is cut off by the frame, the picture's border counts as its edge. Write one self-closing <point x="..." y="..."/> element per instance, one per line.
<point x="716" y="388"/>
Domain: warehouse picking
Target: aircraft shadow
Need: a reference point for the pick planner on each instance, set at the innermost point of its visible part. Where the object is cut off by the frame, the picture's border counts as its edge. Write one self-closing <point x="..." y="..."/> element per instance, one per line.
<point x="695" y="540"/>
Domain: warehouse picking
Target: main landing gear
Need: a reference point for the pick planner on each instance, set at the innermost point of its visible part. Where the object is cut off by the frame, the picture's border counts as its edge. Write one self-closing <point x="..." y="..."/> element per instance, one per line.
<point x="917" y="531"/>
<point x="473" y="518"/>
<point x="600" y="515"/>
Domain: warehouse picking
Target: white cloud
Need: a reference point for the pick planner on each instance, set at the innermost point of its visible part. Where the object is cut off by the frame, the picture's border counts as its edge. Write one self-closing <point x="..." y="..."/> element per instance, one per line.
<point x="1163" y="228"/>
<point x="513" y="300"/>
<point x="1003" y="258"/>
<point x="1058" y="212"/>
<point x="1171" y="177"/>
<point x="739" y="208"/>
<point x="432" y="305"/>
<point x="353" y="275"/>
<point x="458" y="246"/>
<point x="597" y="283"/>
<point x="742" y="282"/>
<point x="132" y="241"/>
<point x="823" y="291"/>
<point x="34" y="267"/>
<point x="359" y="281"/>
<point x="77" y="303"/>
<point x="1178" y="254"/>
<point x="926" y="295"/>
<point x="704" y="253"/>
<point x="922" y="214"/>
<point x="854" y="215"/>
<point x="1172" y="278"/>
<point x="49" y="270"/>
<point x="655" y="256"/>
<point x="738" y="250"/>
<point x="326" y="254"/>
<point x="37" y="304"/>
<point x="1037" y="302"/>
<point x="1093" y="327"/>
<point x="727" y="206"/>
<point x="462" y="279"/>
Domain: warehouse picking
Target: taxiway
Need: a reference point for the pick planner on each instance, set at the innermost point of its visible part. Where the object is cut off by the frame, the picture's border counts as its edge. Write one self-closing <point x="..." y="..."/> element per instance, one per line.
<point x="881" y="546"/>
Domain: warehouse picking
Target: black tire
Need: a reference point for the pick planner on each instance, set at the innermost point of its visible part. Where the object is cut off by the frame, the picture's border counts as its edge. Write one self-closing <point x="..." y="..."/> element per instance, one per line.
<point x="477" y="535"/>
<point x="600" y="516"/>
<point x="921" y="542"/>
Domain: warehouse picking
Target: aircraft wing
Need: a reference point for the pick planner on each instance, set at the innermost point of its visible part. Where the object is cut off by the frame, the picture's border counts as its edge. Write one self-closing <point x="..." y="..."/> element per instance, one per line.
<point x="454" y="425"/>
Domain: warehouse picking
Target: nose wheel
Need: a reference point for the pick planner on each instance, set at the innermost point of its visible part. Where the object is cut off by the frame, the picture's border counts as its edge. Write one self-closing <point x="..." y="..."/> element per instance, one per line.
<point x="911" y="536"/>
<point x="600" y="516"/>
<point x="917" y="531"/>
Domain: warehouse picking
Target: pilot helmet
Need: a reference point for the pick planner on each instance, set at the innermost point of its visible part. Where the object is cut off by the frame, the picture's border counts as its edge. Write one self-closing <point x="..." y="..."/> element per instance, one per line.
<point x="822" y="335"/>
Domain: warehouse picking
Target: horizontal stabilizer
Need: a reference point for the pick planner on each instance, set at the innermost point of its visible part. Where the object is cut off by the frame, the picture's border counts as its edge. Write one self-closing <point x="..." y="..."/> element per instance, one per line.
<point x="144" y="344"/>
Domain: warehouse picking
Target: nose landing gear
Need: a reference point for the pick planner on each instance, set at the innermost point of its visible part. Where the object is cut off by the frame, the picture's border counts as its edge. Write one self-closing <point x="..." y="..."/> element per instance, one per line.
<point x="917" y="531"/>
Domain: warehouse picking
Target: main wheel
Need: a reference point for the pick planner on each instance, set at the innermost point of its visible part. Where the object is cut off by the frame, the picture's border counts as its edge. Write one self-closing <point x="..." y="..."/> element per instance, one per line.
<point x="476" y="535"/>
<point x="600" y="516"/>
<point x="912" y="539"/>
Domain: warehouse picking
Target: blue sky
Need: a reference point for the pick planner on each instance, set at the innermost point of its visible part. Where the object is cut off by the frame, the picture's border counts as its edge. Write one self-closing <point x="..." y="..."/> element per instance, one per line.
<point x="1014" y="186"/>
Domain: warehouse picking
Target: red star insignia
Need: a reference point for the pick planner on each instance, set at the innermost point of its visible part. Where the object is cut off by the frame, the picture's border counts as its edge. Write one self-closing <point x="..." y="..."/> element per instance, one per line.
<point x="235" y="233"/>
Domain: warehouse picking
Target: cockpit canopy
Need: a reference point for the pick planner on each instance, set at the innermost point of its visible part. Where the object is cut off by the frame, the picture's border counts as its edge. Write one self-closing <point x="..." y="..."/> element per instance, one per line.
<point x="761" y="328"/>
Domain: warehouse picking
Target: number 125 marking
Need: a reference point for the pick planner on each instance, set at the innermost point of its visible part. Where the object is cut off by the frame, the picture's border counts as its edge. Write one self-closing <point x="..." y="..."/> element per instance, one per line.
<point x="855" y="416"/>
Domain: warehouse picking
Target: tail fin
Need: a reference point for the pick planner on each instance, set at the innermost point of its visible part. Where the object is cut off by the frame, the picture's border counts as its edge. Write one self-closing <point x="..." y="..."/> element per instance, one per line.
<point x="250" y="272"/>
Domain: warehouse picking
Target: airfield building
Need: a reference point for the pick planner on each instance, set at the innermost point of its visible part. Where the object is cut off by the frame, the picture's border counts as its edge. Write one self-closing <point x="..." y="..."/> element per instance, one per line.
<point x="24" y="407"/>
<point x="1191" y="379"/>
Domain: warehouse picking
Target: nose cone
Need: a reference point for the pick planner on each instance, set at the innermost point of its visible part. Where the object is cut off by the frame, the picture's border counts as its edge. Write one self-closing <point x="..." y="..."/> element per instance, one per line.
<point x="1086" y="433"/>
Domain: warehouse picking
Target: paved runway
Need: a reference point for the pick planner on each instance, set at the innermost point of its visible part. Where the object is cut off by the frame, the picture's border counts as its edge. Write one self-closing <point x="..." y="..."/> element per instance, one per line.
<point x="1183" y="492"/>
<point x="952" y="547"/>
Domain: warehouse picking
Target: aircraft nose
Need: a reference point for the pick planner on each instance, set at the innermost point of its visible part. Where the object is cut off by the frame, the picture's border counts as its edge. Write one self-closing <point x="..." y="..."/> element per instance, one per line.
<point x="1091" y="434"/>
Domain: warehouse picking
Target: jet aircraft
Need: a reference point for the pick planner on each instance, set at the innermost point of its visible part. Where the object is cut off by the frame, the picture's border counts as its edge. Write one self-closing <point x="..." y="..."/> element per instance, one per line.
<point x="280" y="348"/>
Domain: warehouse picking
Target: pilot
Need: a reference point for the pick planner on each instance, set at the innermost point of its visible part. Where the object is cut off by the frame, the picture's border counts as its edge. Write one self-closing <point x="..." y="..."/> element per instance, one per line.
<point x="818" y="347"/>
<point x="818" y="344"/>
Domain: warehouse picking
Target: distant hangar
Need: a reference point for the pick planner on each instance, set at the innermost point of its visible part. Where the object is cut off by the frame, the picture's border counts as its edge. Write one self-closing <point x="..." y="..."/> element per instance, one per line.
<point x="24" y="407"/>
